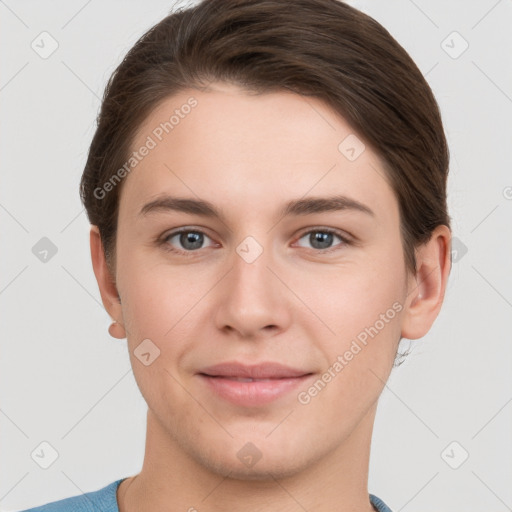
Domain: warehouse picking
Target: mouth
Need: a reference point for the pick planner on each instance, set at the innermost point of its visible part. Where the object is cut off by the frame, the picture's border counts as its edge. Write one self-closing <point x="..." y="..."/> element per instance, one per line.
<point x="266" y="370"/>
<point x="240" y="379"/>
<point x="255" y="385"/>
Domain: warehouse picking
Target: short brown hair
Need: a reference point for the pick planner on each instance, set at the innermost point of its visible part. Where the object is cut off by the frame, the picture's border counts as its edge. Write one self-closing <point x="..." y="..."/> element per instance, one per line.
<point x="321" y="48"/>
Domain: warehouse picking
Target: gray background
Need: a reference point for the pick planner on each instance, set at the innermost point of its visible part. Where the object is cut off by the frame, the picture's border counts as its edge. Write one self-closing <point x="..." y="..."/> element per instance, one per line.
<point x="65" y="381"/>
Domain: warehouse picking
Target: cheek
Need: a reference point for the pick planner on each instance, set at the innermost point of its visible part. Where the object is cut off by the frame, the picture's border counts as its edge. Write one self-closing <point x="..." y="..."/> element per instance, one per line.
<point x="366" y="317"/>
<point x="348" y="300"/>
<point x="158" y="323"/>
<point x="360" y="306"/>
<point x="158" y="297"/>
<point x="160" y="315"/>
<point x="369" y="310"/>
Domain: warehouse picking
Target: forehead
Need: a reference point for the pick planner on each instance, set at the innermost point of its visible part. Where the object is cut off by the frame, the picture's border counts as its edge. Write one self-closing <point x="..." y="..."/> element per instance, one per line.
<point x="244" y="148"/>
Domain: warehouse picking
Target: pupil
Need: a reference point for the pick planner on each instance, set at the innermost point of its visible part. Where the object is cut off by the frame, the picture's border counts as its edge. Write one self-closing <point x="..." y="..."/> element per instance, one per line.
<point x="194" y="238"/>
<point x="321" y="240"/>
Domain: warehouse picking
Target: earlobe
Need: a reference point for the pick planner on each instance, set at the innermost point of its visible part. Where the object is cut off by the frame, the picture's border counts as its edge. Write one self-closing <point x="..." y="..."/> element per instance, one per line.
<point x="116" y="330"/>
<point x="427" y="288"/>
<point x="106" y="284"/>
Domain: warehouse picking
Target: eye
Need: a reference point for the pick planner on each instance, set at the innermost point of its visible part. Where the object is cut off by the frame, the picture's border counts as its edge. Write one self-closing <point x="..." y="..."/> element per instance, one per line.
<point x="190" y="240"/>
<point x="322" y="239"/>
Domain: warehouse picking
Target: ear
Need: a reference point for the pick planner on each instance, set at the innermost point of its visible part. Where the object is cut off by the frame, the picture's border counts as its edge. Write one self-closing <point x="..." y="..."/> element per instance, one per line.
<point x="427" y="288"/>
<point x="106" y="284"/>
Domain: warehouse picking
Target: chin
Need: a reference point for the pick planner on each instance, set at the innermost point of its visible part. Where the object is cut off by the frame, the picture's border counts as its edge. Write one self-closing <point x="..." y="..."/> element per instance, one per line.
<point x="267" y="464"/>
<point x="261" y="471"/>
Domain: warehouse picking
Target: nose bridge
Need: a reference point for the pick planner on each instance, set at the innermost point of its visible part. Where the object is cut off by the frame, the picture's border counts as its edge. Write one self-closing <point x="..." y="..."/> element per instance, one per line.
<point x="254" y="297"/>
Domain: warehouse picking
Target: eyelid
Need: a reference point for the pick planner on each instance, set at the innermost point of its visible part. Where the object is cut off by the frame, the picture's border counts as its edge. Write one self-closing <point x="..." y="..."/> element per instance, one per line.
<point x="342" y="234"/>
<point x="346" y="238"/>
<point x="163" y="240"/>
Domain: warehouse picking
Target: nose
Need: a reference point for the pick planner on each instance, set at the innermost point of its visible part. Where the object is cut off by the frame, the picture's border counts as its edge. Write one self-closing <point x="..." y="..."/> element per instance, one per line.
<point x="253" y="302"/>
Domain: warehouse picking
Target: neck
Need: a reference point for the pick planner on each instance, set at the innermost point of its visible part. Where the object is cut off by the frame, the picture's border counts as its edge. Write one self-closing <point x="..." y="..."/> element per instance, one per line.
<point x="171" y="479"/>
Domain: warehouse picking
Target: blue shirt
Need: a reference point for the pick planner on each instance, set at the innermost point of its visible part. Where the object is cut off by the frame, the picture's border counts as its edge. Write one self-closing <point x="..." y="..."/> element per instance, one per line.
<point x="105" y="500"/>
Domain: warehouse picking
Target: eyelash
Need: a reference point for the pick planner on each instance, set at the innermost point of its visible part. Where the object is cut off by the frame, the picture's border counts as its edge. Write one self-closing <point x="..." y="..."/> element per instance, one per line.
<point x="167" y="247"/>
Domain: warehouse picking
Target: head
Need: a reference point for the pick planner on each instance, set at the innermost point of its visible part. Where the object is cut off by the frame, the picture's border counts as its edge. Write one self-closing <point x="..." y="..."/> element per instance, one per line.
<point x="252" y="107"/>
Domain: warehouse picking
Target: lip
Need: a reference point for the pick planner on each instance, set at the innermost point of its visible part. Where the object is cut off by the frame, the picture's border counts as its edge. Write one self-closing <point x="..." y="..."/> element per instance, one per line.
<point x="271" y="381"/>
<point x="265" y="370"/>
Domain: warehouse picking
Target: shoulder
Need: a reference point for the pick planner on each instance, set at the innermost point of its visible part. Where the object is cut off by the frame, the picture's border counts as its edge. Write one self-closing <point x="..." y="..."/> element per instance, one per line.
<point x="102" y="500"/>
<point x="378" y="504"/>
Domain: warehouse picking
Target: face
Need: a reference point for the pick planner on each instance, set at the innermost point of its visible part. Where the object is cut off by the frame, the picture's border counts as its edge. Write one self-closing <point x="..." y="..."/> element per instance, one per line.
<point x="318" y="287"/>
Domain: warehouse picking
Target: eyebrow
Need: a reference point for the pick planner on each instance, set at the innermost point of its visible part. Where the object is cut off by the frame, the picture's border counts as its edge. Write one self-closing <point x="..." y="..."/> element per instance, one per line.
<point x="297" y="207"/>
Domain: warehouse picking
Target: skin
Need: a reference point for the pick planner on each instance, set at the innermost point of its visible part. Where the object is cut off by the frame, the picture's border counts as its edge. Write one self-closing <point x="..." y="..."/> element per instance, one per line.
<point x="295" y="304"/>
